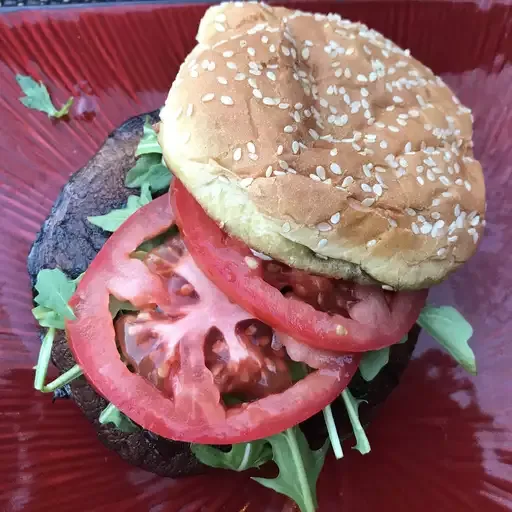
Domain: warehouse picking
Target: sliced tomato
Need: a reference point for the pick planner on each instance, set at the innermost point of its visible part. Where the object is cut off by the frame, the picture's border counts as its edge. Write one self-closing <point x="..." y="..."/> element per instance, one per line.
<point x="329" y="314"/>
<point x="188" y="346"/>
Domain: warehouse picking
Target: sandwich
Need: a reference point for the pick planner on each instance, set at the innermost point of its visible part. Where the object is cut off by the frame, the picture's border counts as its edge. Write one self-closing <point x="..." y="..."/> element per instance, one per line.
<point x="307" y="182"/>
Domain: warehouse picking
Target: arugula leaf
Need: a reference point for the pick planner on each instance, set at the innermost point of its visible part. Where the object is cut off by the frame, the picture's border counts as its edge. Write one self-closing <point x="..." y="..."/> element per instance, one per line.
<point x="67" y="377"/>
<point x="37" y="97"/>
<point x="112" y="220"/>
<point x="452" y="331"/>
<point x="299" y="467"/>
<point x="149" y="169"/>
<point x="111" y="414"/>
<point x="334" y="438"/>
<point x="149" y="141"/>
<point x="54" y="291"/>
<point x="242" y="456"/>
<point x="47" y="317"/>
<point x="45" y="353"/>
<point x="352" y="405"/>
<point x="372" y="363"/>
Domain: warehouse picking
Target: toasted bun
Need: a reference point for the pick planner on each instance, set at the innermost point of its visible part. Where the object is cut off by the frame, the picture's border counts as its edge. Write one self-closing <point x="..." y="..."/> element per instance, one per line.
<point x="324" y="145"/>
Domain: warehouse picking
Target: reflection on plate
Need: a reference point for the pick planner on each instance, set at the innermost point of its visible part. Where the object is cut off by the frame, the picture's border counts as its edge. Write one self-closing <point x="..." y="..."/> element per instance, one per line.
<point x="443" y="442"/>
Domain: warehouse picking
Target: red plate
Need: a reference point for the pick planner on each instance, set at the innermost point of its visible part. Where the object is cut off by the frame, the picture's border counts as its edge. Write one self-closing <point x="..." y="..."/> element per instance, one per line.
<point x="443" y="442"/>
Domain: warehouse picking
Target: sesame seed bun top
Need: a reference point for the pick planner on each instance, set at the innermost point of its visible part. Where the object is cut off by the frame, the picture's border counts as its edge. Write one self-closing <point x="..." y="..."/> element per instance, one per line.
<point x="324" y="145"/>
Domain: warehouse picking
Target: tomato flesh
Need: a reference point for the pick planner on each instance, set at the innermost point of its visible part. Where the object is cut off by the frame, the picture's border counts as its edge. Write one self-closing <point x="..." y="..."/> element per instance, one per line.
<point x="329" y="314"/>
<point x="188" y="346"/>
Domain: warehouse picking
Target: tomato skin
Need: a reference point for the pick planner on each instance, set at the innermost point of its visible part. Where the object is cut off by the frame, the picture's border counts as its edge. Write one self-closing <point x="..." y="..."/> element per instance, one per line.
<point x="223" y="259"/>
<point x="92" y="341"/>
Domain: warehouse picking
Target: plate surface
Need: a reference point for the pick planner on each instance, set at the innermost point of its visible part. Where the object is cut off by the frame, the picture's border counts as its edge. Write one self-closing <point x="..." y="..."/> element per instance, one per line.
<point x="443" y="442"/>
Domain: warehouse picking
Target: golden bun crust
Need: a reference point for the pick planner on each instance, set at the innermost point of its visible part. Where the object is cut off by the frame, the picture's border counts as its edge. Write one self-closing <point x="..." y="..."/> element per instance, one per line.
<point x="324" y="145"/>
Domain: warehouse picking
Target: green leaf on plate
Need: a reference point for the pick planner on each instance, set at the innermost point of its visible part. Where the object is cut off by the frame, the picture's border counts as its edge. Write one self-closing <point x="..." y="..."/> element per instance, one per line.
<point x="242" y="456"/>
<point x="111" y="414"/>
<point x="299" y="467"/>
<point x="54" y="290"/>
<point x="115" y="218"/>
<point x="149" y="169"/>
<point x="149" y="141"/>
<point x="446" y="325"/>
<point x="352" y="406"/>
<point x="372" y="363"/>
<point x="37" y="97"/>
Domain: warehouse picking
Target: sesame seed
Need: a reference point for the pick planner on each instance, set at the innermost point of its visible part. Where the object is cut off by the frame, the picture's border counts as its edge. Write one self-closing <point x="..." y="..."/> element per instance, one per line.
<point x="362" y="78"/>
<point x="459" y="223"/>
<point x="246" y="182"/>
<point x="295" y="147"/>
<point x="365" y="187"/>
<point x="430" y="175"/>
<point x="286" y="227"/>
<point x="453" y="239"/>
<point x="253" y="156"/>
<point x="271" y="76"/>
<point x="393" y="223"/>
<point x="251" y="147"/>
<point x="377" y="189"/>
<point x="467" y="184"/>
<point x="420" y="180"/>
<point x="368" y="201"/>
<point x="251" y="51"/>
<point x="272" y="48"/>
<point x="426" y="228"/>
<point x="442" y="251"/>
<point x="320" y="172"/>
<point x="444" y="180"/>
<point x="280" y="149"/>
<point x="305" y="53"/>
<point x="268" y="172"/>
<point x="284" y="106"/>
<point x="226" y="100"/>
<point x="231" y="65"/>
<point x="285" y="50"/>
<point x="371" y="243"/>
<point x="257" y="93"/>
<point x="288" y="129"/>
<point x="208" y="97"/>
<point x="237" y="154"/>
<point x="322" y="243"/>
<point x="324" y="226"/>
<point x="283" y="164"/>
<point x="475" y="221"/>
<point x="314" y="134"/>
<point x="437" y="228"/>
<point x="415" y="228"/>
<point x="398" y="99"/>
<point x="347" y="181"/>
<point x="393" y="129"/>
<point x="279" y="173"/>
<point x="335" y="168"/>
<point x="336" y="218"/>
<point x="239" y="77"/>
<point x="314" y="177"/>
<point x="383" y="144"/>
<point x="364" y="92"/>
